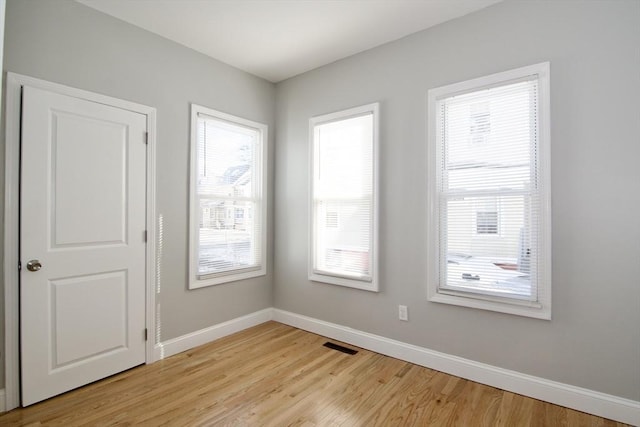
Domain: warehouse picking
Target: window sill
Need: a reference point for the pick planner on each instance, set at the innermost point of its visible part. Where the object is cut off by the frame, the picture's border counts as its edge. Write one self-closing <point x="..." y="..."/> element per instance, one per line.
<point x="501" y="305"/>
<point x="371" y="286"/>
<point x="226" y="278"/>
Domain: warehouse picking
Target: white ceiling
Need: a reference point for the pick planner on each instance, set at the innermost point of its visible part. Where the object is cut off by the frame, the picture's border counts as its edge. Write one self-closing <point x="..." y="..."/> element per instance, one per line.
<point x="278" y="39"/>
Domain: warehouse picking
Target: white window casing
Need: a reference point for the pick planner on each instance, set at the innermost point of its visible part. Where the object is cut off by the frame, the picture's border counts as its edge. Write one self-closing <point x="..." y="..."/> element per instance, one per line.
<point x="228" y="222"/>
<point x="489" y="219"/>
<point x="343" y="231"/>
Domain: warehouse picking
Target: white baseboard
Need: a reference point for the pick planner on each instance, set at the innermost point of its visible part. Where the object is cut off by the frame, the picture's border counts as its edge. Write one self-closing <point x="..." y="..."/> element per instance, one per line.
<point x="212" y="333"/>
<point x="3" y="407"/>
<point x="581" y="399"/>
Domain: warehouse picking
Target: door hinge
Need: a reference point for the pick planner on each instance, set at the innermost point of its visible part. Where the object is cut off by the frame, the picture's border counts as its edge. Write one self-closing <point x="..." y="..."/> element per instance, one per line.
<point x="19" y="266"/>
<point x="146" y="137"/>
<point x="144" y="236"/>
<point x="146" y="334"/>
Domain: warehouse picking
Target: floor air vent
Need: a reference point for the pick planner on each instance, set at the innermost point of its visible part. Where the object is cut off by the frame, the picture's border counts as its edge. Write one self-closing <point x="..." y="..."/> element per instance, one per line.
<point x="335" y="346"/>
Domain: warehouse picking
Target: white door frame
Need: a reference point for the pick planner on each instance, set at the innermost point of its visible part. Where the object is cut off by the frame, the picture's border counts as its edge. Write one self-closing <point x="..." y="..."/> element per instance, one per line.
<point x="15" y="82"/>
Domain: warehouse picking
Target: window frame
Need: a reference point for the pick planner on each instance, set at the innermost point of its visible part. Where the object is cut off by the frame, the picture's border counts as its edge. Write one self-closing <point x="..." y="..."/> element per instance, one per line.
<point x="541" y="307"/>
<point x="327" y="277"/>
<point x="261" y="198"/>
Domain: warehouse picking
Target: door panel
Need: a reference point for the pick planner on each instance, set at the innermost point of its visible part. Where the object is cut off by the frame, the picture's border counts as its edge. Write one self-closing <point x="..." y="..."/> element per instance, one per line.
<point x="104" y="312"/>
<point x="85" y="190"/>
<point x="83" y="200"/>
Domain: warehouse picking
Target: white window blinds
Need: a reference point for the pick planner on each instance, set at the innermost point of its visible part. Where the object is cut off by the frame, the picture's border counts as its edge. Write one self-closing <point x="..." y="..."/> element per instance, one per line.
<point x="490" y="195"/>
<point x="228" y="220"/>
<point x="343" y="198"/>
<point x="483" y="185"/>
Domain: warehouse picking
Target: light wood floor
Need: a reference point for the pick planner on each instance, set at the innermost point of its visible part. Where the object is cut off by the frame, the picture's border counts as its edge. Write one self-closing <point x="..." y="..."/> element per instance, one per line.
<point x="276" y="375"/>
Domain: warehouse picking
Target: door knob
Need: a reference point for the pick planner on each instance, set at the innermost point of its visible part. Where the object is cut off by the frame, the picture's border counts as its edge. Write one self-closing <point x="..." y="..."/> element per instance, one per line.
<point x="34" y="265"/>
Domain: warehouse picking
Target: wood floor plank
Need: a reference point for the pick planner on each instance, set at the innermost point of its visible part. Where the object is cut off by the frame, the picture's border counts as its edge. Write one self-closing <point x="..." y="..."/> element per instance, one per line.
<point x="273" y="375"/>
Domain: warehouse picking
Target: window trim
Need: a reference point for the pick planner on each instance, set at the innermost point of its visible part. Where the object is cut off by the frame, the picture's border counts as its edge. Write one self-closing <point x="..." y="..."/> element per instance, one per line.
<point x="262" y="198"/>
<point x="327" y="277"/>
<point x="541" y="307"/>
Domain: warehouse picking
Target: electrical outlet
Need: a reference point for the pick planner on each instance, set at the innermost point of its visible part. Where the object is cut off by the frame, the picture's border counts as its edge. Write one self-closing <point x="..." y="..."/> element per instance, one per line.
<point x="403" y="313"/>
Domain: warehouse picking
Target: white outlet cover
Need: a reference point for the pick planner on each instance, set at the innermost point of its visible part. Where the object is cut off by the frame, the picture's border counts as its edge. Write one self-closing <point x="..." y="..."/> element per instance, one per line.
<point x="403" y="312"/>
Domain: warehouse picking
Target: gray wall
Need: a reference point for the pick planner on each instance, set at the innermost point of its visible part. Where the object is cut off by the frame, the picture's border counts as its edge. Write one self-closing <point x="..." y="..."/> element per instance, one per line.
<point x="593" y="340"/>
<point x="68" y="43"/>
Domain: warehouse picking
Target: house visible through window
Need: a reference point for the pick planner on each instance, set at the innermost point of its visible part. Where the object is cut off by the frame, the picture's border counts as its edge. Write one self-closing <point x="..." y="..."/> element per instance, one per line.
<point x="227" y="198"/>
<point x="343" y="200"/>
<point x="489" y="233"/>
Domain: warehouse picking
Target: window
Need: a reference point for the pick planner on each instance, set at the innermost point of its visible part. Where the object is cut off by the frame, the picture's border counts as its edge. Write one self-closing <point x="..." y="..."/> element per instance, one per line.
<point x="480" y="123"/>
<point x="228" y="212"/>
<point x="489" y="225"/>
<point x="344" y="198"/>
<point x="487" y="217"/>
<point x="487" y="222"/>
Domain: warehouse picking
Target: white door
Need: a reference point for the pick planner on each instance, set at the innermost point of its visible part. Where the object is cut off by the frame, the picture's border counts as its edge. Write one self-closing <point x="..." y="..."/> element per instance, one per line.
<point x="83" y="169"/>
